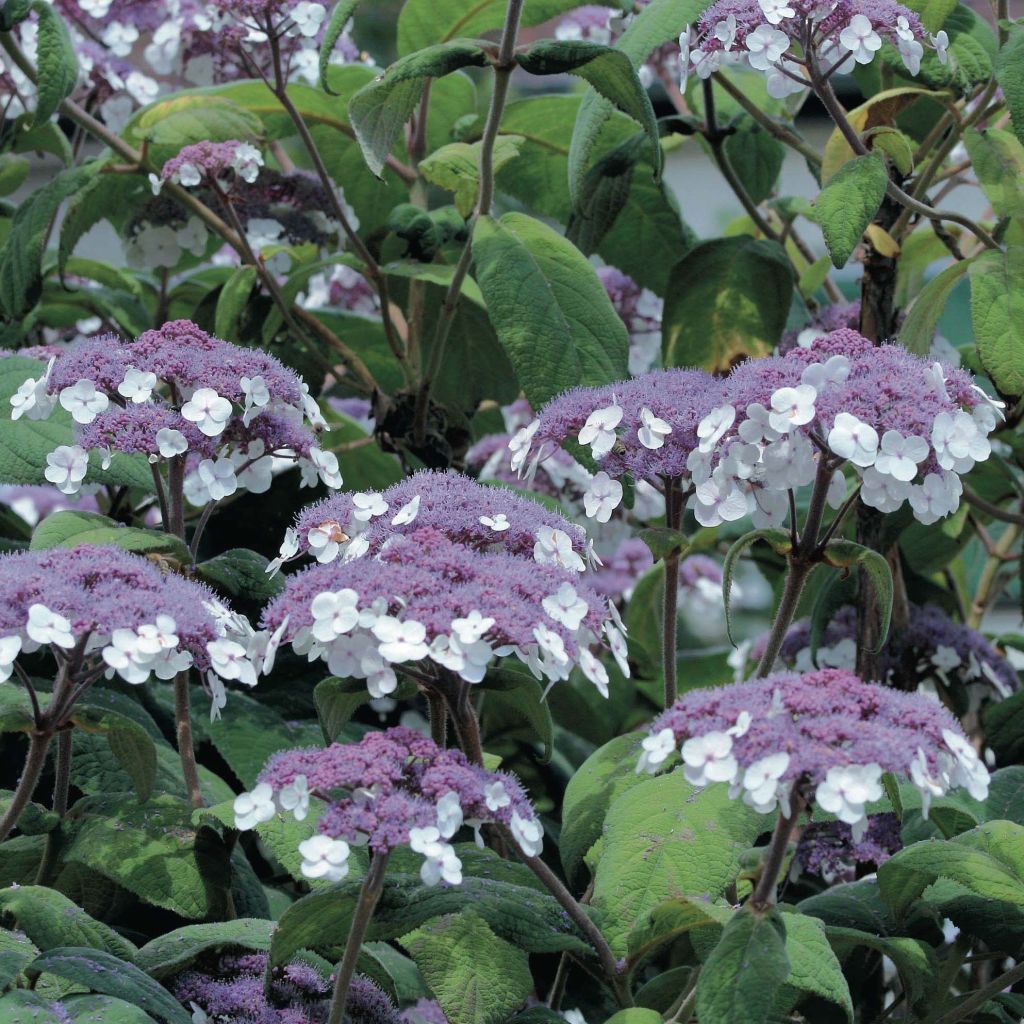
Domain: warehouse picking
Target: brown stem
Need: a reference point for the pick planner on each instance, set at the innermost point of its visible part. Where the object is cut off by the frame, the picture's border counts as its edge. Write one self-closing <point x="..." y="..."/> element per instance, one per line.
<point x="186" y="746"/>
<point x="765" y="891"/>
<point x="438" y="712"/>
<point x="369" y="894"/>
<point x="61" y="788"/>
<point x="467" y="727"/>
<point x="670" y="598"/>
<point x="38" y="745"/>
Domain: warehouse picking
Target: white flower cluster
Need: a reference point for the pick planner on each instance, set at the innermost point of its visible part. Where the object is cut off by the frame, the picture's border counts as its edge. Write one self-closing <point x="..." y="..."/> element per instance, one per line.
<point x="250" y="467"/>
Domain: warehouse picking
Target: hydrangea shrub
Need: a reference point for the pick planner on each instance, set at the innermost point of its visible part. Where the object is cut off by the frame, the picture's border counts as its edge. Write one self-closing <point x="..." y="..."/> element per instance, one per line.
<point x="438" y="585"/>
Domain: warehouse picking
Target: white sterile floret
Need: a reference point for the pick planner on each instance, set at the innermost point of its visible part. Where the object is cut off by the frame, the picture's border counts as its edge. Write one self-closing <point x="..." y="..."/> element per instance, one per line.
<point x="66" y="467"/>
<point x="334" y="613"/>
<point x="900" y="456"/>
<point x="885" y="493"/>
<point x="861" y="39"/>
<point x="969" y="770"/>
<point x="846" y="789"/>
<point x="819" y="375"/>
<point x="83" y="401"/>
<point x="467" y="660"/>
<point x="400" y="640"/>
<point x="554" y="547"/>
<point x="520" y="445"/>
<point x="928" y="786"/>
<point x="170" y="442"/>
<point x="653" y="430"/>
<point x="937" y="497"/>
<point x="761" y="781"/>
<point x="48" y="627"/>
<point x="449" y="814"/>
<point x="441" y="865"/>
<point x="958" y="442"/>
<point x="792" y="407"/>
<point x="137" y="385"/>
<point x="602" y="497"/>
<point x="617" y="645"/>
<point x="308" y="18"/>
<point x="599" y="430"/>
<point x="765" y="45"/>
<point x="216" y="479"/>
<point x="10" y="648"/>
<point x="326" y="466"/>
<point x="836" y="494"/>
<point x="407" y="513"/>
<point x="208" y="411"/>
<point x="498" y="523"/>
<point x="247" y="162"/>
<point x="496" y="796"/>
<point x="325" y="540"/>
<point x="288" y="550"/>
<point x="775" y="11"/>
<point x="757" y="425"/>
<point x="295" y="797"/>
<point x="712" y="428"/>
<point x="851" y="439"/>
<point x="594" y="671"/>
<point x="32" y="401"/>
<point x="230" y="660"/>
<point x="528" y="833"/>
<point x="656" y="749"/>
<point x="323" y="857"/>
<point x="566" y="607"/>
<point x="708" y="759"/>
<point x="252" y="809"/>
<point x="367" y="505"/>
<point x="257" y="396"/>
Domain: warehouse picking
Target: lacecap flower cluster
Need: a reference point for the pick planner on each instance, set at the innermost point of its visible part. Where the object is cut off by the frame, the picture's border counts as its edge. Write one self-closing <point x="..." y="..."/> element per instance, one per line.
<point x="908" y="428"/>
<point x="825" y="735"/>
<point x="125" y="617"/>
<point x="458" y="576"/>
<point x="177" y="393"/>
<point x="392" y="788"/>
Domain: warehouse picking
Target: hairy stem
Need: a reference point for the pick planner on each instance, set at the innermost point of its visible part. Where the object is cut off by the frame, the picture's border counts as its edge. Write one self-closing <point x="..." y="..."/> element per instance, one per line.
<point x="987" y="582"/>
<point x="186" y="745"/>
<point x="467" y="727"/>
<point x="978" y="999"/>
<point x="765" y="890"/>
<point x="438" y="712"/>
<point x="503" y="68"/>
<point x="670" y="598"/>
<point x="61" y="788"/>
<point x="579" y="917"/>
<point x="38" y="745"/>
<point x="369" y="894"/>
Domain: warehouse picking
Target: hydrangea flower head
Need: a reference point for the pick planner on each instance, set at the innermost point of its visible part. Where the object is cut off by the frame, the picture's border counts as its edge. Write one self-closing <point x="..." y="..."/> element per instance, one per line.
<point x="178" y="393"/>
<point x="640" y="310"/>
<point x="436" y="605"/>
<point x="204" y="162"/>
<point x="827" y="848"/>
<point x="127" y="617"/>
<point x="906" y="427"/>
<point x="234" y="988"/>
<point x="771" y="36"/>
<point x="398" y="788"/>
<point x="826" y="735"/>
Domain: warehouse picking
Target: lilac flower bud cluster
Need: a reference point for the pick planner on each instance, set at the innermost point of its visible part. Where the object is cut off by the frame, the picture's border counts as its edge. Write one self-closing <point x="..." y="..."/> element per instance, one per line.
<point x="644" y="428"/>
<point x="907" y="427"/>
<point x="772" y="36"/>
<point x="930" y="650"/>
<point x="590" y="23"/>
<point x="234" y="989"/>
<point x="641" y="311"/>
<point x="392" y="788"/>
<point x="828" y="848"/>
<point x="205" y="162"/>
<point x="353" y="524"/>
<point x="424" y="604"/>
<point x="825" y="735"/>
<point x="123" y="616"/>
<point x="177" y="393"/>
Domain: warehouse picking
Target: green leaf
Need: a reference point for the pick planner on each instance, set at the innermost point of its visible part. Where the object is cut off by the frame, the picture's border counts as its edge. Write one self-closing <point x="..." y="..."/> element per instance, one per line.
<point x="109" y="197"/>
<point x="778" y="539"/>
<point x="423" y="22"/>
<point x="673" y="918"/>
<point x="746" y="970"/>
<point x="609" y="72"/>
<point x="635" y="1015"/>
<point x="240" y="573"/>
<point x="337" y="700"/>
<point x="380" y="109"/>
<point x="172" y="952"/>
<point x="101" y="972"/>
<point x="1010" y="75"/>
<point x="662" y="838"/>
<point x="89" y="1009"/>
<point x="848" y="203"/>
<point x="55" y="61"/>
<point x="550" y="311"/>
<point x="50" y="919"/>
<point x="726" y="299"/>
<point x="70" y="528"/>
<point x="845" y="554"/>
<point x="1004" y="728"/>
<point x="477" y="977"/>
<point x="895" y="145"/>
<point x="456" y="168"/>
<point x="169" y="125"/>
<point x="933" y="12"/>
<point x="813" y="967"/>
<point x="505" y="897"/>
<point x="23" y="1007"/>
<point x="918" y="330"/>
<point x="755" y="156"/>
<point x="607" y="773"/>
<point x="13" y="173"/>
<point x="997" y="313"/>
<point x="998" y="159"/>
<point x="340" y="17"/>
<point x="16" y="950"/>
<point x="988" y="861"/>
<point x="232" y="302"/>
<point x="971" y="56"/>
<point x="153" y="851"/>
<point x="22" y="254"/>
<point x="660" y="22"/>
